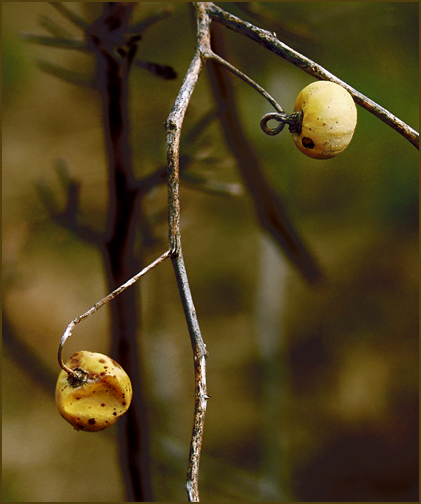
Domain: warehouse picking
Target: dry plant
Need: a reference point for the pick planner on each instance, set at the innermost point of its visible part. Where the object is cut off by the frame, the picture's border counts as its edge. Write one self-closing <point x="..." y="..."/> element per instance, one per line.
<point x="113" y="42"/>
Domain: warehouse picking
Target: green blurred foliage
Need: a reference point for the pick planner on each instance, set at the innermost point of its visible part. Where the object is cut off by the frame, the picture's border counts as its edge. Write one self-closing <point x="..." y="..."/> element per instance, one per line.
<point x="314" y="390"/>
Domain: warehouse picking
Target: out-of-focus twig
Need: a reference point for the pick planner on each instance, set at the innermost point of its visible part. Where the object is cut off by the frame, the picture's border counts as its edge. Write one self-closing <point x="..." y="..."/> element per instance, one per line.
<point x="270" y="210"/>
<point x="28" y="360"/>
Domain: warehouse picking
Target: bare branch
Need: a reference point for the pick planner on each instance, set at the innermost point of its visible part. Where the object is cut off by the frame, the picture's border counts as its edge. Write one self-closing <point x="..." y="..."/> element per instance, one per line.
<point x="58" y="43"/>
<point x="270" y="41"/>
<point x="151" y="20"/>
<point x="201" y="395"/>
<point x="246" y="79"/>
<point x="68" y="332"/>
<point x="166" y="72"/>
<point x="173" y="127"/>
<point x="70" y="15"/>
<point x="53" y="28"/>
<point x="68" y="76"/>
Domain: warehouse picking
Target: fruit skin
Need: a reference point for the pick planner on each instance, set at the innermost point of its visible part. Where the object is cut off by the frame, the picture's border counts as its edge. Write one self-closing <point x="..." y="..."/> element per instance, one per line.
<point x="97" y="396"/>
<point x="329" y="119"/>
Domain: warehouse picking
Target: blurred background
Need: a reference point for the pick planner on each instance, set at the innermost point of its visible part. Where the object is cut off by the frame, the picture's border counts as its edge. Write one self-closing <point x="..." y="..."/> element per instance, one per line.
<point x="314" y="388"/>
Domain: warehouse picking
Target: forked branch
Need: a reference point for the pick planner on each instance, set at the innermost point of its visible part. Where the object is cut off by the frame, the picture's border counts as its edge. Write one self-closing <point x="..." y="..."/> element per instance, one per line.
<point x="269" y="40"/>
<point x="206" y="12"/>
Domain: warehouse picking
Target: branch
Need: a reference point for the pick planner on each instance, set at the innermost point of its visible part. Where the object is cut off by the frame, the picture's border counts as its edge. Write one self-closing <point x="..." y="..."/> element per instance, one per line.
<point x="25" y="358"/>
<point x="173" y="128"/>
<point x="58" y="43"/>
<point x="269" y="40"/>
<point x="70" y="15"/>
<point x="69" y="330"/>
<point x="201" y="395"/>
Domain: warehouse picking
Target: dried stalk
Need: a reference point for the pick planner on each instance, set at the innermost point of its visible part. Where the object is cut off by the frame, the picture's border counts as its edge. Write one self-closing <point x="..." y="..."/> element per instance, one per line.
<point x="68" y="332"/>
<point x="173" y="127"/>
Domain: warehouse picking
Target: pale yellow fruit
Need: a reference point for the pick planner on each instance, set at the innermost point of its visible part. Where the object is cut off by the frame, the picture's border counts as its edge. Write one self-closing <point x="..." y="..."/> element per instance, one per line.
<point x="99" y="394"/>
<point x="329" y="119"/>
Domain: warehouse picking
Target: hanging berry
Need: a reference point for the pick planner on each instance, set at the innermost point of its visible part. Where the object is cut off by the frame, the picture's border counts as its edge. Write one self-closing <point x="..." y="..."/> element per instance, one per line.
<point x="328" y="121"/>
<point x="323" y="121"/>
<point x="96" y="394"/>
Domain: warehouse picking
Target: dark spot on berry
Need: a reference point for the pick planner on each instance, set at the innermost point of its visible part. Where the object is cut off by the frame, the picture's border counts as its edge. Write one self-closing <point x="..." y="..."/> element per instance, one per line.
<point x="124" y="403"/>
<point x="102" y="404"/>
<point x="91" y="421"/>
<point x="307" y="143"/>
<point x="101" y="360"/>
<point x="102" y="374"/>
<point x="115" y="413"/>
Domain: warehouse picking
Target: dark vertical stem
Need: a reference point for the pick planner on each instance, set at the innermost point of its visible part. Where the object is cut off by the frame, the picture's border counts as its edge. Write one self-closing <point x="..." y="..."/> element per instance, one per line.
<point x="113" y="65"/>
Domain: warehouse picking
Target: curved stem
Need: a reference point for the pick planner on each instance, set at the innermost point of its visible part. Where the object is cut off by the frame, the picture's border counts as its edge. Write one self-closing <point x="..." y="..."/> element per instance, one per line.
<point x="246" y="79"/>
<point x="270" y="41"/>
<point x="68" y="332"/>
<point x="294" y="119"/>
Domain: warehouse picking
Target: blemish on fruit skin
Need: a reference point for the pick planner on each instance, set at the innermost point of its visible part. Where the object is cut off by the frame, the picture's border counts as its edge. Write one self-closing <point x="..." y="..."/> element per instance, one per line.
<point x="308" y="143"/>
<point x="92" y="421"/>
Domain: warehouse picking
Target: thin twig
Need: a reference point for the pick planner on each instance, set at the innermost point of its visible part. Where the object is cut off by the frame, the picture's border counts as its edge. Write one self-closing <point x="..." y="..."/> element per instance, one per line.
<point x="270" y="210"/>
<point x="70" y="15"/>
<point x="247" y="79"/>
<point x="68" y="332"/>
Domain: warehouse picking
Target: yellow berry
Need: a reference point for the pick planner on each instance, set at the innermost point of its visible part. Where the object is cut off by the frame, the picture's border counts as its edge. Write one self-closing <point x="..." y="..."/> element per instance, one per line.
<point x="96" y="396"/>
<point x="329" y="120"/>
